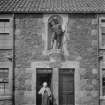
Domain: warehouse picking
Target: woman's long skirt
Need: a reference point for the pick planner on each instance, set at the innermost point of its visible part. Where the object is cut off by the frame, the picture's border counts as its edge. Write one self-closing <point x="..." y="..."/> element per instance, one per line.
<point x="45" y="99"/>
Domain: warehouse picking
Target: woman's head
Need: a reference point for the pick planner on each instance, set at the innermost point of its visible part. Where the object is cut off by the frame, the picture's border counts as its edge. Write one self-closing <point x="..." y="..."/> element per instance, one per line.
<point x="44" y="84"/>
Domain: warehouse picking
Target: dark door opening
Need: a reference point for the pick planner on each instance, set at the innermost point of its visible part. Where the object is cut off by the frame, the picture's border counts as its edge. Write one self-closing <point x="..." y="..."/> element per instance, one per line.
<point x="66" y="87"/>
<point x="43" y="75"/>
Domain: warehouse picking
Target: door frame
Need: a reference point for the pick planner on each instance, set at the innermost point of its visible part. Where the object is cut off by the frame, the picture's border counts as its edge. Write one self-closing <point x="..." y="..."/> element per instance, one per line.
<point x="76" y="66"/>
<point x="42" y="64"/>
<point x="66" y="64"/>
<point x="42" y="71"/>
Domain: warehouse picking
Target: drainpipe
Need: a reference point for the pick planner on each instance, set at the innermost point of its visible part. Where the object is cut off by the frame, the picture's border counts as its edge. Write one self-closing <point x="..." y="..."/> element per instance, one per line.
<point x="13" y="61"/>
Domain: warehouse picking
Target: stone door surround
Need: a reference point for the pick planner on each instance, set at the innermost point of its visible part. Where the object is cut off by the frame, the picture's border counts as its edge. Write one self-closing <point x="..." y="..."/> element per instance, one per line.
<point x="55" y="75"/>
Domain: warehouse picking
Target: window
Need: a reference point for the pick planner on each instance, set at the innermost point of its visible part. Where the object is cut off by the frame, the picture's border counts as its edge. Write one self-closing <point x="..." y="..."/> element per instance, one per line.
<point x="5" y="79"/>
<point x="102" y="33"/>
<point x="5" y="33"/>
<point x="103" y="82"/>
<point x="4" y="26"/>
<point x="102" y="79"/>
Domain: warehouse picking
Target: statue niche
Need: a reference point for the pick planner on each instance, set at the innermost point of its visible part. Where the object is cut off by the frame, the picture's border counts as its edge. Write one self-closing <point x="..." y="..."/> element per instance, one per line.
<point x="55" y="32"/>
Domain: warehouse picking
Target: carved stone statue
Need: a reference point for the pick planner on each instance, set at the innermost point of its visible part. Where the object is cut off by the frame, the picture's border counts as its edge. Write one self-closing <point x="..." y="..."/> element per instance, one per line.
<point x="57" y="34"/>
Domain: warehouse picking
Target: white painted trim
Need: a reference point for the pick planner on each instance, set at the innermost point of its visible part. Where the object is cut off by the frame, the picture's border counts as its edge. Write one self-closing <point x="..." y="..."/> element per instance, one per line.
<point x="67" y="64"/>
<point x="5" y="98"/>
<point x="102" y="97"/>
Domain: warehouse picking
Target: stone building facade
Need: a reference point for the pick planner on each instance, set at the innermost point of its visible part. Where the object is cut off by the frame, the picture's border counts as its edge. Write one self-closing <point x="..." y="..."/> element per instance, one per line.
<point x="75" y="73"/>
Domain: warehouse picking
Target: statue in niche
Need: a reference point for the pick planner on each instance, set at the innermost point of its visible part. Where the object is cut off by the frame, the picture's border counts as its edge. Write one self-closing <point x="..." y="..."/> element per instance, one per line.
<point x="56" y="32"/>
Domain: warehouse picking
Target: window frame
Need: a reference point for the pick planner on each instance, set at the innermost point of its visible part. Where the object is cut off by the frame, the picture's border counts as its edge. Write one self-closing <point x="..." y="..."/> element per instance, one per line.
<point x="10" y="78"/>
<point x="9" y="37"/>
<point x="100" y="33"/>
<point x="4" y="24"/>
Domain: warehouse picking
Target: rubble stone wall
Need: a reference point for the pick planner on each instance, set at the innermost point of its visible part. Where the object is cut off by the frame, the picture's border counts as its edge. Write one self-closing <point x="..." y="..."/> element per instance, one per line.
<point x="82" y="46"/>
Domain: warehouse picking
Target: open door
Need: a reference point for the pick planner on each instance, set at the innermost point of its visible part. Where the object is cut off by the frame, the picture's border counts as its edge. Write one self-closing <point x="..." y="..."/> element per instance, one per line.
<point x="66" y="87"/>
<point x="43" y="75"/>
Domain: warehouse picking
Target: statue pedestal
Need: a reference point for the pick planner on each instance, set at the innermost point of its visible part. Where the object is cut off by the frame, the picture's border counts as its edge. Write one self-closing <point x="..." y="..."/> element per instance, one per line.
<point x="56" y="55"/>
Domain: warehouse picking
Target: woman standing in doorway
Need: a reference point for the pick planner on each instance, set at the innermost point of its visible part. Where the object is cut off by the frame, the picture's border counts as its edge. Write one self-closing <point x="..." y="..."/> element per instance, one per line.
<point x="46" y="94"/>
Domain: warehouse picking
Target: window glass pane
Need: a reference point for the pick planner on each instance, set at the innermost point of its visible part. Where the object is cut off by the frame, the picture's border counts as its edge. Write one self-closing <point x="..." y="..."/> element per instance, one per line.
<point x="1" y="27"/>
<point x="4" y="81"/>
<point x="4" y="88"/>
<point x="1" y="89"/>
<point x="4" y="26"/>
<point x="103" y="86"/>
<point x="5" y="34"/>
<point x="103" y="40"/>
<point x="103" y="81"/>
<point x="1" y="24"/>
<point x="103" y="29"/>
<point x="102" y="20"/>
<point x="103" y="36"/>
<point x="4" y="75"/>
<point x="7" y="27"/>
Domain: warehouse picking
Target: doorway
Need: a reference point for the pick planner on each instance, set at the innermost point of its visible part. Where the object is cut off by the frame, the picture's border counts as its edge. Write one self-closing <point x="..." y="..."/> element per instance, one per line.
<point x="43" y="75"/>
<point x="66" y="86"/>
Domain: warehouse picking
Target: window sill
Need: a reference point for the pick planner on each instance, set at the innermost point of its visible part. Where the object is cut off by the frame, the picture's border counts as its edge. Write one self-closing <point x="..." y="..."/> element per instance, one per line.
<point x="5" y="97"/>
<point x="102" y="48"/>
<point x="102" y="97"/>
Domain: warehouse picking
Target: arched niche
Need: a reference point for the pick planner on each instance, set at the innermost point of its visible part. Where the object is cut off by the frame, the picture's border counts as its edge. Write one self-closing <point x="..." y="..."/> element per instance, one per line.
<point x="53" y="20"/>
<point x="61" y="19"/>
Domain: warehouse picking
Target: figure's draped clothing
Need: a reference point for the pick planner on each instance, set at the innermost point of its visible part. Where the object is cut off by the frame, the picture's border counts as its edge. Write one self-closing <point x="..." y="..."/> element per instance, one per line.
<point x="57" y="35"/>
<point x="45" y="98"/>
<point x="46" y="93"/>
